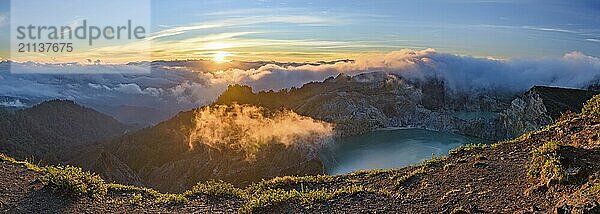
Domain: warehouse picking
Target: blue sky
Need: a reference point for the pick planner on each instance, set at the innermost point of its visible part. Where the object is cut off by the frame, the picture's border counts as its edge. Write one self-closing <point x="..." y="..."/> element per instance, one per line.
<point x="313" y="30"/>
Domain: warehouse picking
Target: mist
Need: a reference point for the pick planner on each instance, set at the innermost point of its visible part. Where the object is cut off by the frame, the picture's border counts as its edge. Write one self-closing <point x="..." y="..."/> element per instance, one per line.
<point x="181" y="85"/>
<point x="247" y="128"/>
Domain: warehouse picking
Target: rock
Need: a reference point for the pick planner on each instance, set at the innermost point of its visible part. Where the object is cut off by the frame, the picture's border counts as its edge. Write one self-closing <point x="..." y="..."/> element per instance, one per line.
<point x="538" y="107"/>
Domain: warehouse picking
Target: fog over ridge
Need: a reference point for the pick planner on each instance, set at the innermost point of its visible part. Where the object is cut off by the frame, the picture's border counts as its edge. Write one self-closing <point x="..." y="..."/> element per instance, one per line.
<point x="179" y="85"/>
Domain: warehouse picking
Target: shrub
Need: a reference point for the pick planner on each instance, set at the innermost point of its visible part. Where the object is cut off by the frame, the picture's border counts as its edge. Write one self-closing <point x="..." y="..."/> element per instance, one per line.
<point x="592" y="107"/>
<point x="545" y="163"/>
<point x="73" y="181"/>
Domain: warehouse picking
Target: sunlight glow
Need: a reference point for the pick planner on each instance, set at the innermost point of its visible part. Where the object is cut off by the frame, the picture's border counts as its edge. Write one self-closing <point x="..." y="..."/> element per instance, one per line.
<point x="220" y="57"/>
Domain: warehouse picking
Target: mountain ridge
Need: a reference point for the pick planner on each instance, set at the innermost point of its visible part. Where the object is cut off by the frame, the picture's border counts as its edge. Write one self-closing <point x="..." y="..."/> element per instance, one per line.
<point x="551" y="170"/>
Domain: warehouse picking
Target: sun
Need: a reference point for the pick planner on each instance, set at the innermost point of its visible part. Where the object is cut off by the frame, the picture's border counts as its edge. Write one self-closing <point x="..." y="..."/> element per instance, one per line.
<point x="221" y="57"/>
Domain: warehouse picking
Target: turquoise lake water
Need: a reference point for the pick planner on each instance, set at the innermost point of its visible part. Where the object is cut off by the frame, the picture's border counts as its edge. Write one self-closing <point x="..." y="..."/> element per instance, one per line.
<point x="385" y="149"/>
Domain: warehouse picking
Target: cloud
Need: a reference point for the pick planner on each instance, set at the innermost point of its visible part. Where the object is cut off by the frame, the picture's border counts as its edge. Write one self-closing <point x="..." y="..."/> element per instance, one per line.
<point x="460" y="73"/>
<point x="179" y="85"/>
<point x="3" y="20"/>
<point x="593" y="40"/>
<point x="246" y="21"/>
<point x="246" y="128"/>
<point x="171" y="90"/>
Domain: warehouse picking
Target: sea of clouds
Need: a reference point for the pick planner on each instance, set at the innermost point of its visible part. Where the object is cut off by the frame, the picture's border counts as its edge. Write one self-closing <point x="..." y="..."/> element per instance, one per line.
<point x="179" y="85"/>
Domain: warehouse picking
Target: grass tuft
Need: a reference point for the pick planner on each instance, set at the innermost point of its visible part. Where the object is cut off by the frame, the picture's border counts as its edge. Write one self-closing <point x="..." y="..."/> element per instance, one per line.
<point x="216" y="189"/>
<point x="171" y="199"/>
<point x="468" y="147"/>
<point x="273" y="197"/>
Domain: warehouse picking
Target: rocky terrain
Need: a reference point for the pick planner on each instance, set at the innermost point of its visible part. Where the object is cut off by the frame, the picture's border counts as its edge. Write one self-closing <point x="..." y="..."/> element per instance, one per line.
<point x="554" y="170"/>
<point x="370" y="101"/>
<point x="538" y="107"/>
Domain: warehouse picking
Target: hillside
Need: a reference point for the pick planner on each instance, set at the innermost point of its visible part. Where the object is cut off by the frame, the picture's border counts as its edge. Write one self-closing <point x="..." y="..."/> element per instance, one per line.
<point x="552" y="170"/>
<point x="163" y="157"/>
<point x="51" y="131"/>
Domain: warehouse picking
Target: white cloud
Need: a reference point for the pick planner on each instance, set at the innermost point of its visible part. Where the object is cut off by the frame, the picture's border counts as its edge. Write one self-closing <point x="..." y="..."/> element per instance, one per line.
<point x="174" y="86"/>
<point x="461" y="73"/>
<point x="3" y="20"/>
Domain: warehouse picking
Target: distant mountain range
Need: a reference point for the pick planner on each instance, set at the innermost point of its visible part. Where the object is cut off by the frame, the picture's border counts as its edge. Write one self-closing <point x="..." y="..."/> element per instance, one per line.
<point x="53" y="131"/>
<point x="15" y="103"/>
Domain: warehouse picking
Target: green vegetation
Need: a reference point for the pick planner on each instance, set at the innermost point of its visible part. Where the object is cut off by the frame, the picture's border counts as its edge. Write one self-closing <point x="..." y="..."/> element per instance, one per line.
<point x="592" y="107"/>
<point x="217" y="189"/>
<point x="279" y="182"/>
<point x="545" y="163"/>
<point x="73" y="181"/>
<point x="594" y="191"/>
<point x="29" y="166"/>
<point x="468" y="147"/>
<point x="171" y="199"/>
<point x="136" y="198"/>
<point x="278" y="196"/>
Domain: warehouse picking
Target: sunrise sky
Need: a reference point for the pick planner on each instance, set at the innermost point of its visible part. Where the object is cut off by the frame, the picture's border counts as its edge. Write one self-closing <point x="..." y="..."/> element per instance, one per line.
<point x="326" y="30"/>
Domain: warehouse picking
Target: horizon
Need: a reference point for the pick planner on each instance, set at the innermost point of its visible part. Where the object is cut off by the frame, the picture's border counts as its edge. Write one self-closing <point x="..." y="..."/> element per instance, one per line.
<point x="298" y="31"/>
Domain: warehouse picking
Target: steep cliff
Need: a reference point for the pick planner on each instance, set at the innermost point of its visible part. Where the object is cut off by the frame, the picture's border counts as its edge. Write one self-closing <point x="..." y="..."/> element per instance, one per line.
<point x="538" y="107"/>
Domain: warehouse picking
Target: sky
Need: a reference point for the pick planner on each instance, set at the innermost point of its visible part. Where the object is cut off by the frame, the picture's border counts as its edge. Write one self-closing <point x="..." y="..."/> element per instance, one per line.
<point x="303" y="31"/>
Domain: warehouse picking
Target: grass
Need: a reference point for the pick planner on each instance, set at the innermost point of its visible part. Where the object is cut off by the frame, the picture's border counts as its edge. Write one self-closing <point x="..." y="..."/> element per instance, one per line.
<point x="29" y="166"/>
<point x="273" y="197"/>
<point x="545" y="163"/>
<point x="468" y="147"/>
<point x="171" y="199"/>
<point x="216" y="189"/>
<point x="279" y="182"/>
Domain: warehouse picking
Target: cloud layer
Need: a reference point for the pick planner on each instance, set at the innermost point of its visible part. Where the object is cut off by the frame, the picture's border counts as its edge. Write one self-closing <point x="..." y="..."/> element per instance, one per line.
<point x="177" y="85"/>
